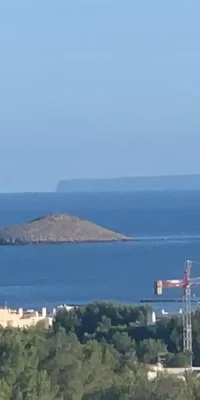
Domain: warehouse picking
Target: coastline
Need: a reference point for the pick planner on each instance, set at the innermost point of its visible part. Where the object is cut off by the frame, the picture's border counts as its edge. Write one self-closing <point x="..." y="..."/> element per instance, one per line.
<point x="37" y="243"/>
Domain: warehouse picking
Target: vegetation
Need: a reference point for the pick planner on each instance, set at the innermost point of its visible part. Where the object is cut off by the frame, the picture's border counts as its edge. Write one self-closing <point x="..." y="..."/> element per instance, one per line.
<point x="96" y="352"/>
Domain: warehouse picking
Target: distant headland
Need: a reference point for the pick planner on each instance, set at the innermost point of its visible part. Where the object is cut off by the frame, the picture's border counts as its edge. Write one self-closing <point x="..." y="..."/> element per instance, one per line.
<point x="57" y="228"/>
<point x="127" y="184"/>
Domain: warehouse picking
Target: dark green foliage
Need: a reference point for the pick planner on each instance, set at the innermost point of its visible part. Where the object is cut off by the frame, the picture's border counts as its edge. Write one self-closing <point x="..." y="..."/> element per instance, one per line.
<point x="100" y="317"/>
<point x="97" y="352"/>
<point x="148" y="350"/>
<point x="122" y="342"/>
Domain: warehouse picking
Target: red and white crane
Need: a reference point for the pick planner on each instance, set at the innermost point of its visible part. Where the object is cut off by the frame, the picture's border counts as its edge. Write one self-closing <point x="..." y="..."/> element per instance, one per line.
<point x="186" y="284"/>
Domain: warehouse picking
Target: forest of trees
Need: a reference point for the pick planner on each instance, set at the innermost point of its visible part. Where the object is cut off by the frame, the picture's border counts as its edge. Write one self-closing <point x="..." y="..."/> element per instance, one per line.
<point x="96" y="352"/>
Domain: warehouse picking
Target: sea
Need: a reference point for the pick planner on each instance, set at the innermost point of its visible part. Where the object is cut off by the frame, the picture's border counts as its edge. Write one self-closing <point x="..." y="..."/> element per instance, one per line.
<point x="164" y="224"/>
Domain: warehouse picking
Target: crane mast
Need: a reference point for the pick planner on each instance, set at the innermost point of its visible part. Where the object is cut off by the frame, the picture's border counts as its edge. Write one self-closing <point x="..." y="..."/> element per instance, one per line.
<point x="187" y="311"/>
<point x="186" y="284"/>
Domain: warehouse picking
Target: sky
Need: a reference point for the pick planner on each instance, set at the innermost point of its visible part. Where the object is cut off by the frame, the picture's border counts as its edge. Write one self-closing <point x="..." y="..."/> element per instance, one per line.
<point x="97" y="88"/>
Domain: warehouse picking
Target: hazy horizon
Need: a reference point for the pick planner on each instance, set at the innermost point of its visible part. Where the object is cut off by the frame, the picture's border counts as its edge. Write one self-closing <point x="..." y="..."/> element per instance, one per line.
<point x="103" y="89"/>
<point x="118" y="178"/>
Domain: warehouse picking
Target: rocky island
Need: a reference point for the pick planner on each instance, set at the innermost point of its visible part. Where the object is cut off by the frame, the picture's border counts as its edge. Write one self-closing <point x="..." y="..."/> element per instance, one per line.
<point x="57" y="228"/>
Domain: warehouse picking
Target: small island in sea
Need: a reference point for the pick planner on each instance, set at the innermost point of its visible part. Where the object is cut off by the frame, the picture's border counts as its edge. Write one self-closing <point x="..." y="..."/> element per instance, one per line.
<point x="58" y="228"/>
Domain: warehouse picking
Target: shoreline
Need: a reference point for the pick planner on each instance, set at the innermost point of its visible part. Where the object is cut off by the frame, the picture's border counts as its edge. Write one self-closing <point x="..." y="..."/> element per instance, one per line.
<point x="36" y="243"/>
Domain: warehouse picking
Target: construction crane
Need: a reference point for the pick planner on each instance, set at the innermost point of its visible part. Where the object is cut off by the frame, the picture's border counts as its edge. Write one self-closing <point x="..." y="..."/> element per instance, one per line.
<point x="186" y="284"/>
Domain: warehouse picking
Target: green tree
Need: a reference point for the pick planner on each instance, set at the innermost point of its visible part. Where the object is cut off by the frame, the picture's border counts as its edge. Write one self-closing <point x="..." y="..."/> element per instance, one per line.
<point x="5" y="390"/>
<point x="122" y="342"/>
<point x="148" y="350"/>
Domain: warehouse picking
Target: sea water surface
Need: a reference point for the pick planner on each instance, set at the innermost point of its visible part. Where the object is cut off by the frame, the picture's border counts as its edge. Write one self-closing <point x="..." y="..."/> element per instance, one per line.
<point x="165" y="224"/>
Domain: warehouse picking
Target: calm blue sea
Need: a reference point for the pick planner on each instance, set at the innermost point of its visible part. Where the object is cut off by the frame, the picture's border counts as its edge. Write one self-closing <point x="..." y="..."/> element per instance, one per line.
<point x="168" y="224"/>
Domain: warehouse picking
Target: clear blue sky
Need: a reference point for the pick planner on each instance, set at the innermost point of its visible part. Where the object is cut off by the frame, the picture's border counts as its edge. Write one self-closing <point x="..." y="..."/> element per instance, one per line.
<point x="97" y="88"/>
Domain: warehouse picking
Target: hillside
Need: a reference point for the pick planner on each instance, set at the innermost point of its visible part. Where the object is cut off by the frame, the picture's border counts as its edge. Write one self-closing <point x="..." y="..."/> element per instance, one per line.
<point x="57" y="228"/>
<point x="176" y="182"/>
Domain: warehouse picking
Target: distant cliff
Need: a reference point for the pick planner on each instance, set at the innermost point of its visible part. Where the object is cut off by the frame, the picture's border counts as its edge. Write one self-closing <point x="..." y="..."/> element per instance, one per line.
<point x="57" y="228"/>
<point x="176" y="182"/>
